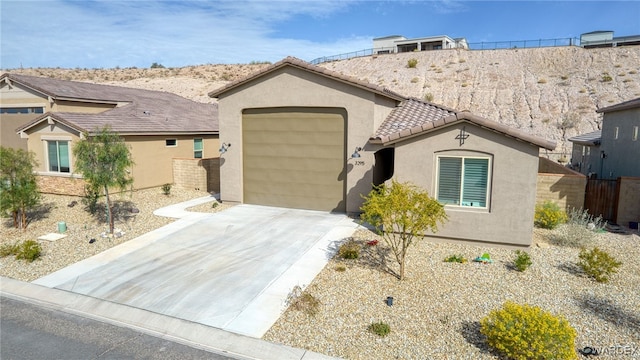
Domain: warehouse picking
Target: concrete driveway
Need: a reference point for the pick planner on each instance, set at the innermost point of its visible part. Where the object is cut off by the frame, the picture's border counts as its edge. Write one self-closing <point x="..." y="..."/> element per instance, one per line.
<point x="231" y="270"/>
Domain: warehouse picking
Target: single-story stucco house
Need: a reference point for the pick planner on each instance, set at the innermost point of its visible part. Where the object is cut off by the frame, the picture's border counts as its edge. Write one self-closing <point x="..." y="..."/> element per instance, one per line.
<point x="168" y="136"/>
<point x="302" y="136"/>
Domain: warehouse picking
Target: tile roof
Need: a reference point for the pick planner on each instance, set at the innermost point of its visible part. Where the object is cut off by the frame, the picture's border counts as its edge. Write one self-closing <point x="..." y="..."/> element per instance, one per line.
<point x="592" y="138"/>
<point x="138" y="111"/>
<point x="301" y="64"/>
<point x="631" y="104"/>
<point x="414" y="117"/>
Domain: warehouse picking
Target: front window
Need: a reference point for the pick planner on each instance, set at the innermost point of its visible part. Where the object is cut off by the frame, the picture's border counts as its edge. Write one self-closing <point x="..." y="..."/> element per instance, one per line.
<point x="463" y="181"/>
<point x="58" y="156"/>
<point x="198" y="148"/>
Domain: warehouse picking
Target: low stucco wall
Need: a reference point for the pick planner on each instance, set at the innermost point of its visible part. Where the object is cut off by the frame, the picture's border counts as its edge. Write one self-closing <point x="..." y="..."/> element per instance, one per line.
<point x="560" y="184"/>
<point x="628" y="200"/>
<point x="198" y="174"/>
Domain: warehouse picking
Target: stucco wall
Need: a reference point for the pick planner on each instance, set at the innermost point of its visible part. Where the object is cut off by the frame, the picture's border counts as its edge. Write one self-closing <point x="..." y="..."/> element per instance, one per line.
<point x="199" y="174"/>
<point x="8" y="125"/>
<point x="514" y="166"/>
<point x="628" y="200"/>
<point x="37" y="142"/>
<point x="292" y="87"/>
<point x="84" y="107"/>
<point x="154" y="160"/>
<point x="16" y="97"/>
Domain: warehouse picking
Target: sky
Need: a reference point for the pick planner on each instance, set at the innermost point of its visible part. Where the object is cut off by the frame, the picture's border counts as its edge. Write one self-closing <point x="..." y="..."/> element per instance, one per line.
<point x="137" y="33"/>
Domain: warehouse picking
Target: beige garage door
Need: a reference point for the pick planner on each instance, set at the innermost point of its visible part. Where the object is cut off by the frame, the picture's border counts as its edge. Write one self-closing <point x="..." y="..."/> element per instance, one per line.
<point x="294" y="157"/>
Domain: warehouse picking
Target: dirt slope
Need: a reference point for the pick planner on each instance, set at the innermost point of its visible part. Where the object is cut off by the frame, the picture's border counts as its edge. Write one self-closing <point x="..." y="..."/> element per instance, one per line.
<point x="541" y="91"/>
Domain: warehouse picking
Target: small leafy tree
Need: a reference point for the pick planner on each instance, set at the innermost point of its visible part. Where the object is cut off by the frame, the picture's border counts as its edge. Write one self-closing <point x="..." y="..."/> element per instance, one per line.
<point x="400" y="213"/>
<point x="103" y="159"/>
<point x="18" y="186"/>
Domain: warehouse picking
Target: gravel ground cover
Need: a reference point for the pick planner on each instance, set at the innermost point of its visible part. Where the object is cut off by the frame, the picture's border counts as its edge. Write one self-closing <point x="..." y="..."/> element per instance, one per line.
<point x="82" y="227"/>
<point x="437" y="309"/>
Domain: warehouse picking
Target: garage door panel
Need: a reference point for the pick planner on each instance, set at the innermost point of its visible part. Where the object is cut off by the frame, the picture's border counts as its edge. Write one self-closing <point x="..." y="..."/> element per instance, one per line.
<point x="287" y="165"/>
<point x="295" y="158"/>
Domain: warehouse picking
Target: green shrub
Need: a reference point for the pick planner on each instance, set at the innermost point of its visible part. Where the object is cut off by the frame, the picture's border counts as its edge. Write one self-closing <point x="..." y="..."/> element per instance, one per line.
<point x="606" y="77"/>
<point x="380" y="328"/>
<point x="598" y="264"/>
<point x="522" y="332"/>
<point x="340" y="268"/>
<point x="412" y="63"/>
<point x="522" y="260"/>
<point x="166" y="189"/>
<point x="349" y="250"/>
<point x="303" y="301"/>
<point x="9" y="249"/>
<point x="456" y="258"/>
<point x="215" y="204"/>
<point x="29" y="251"/>
<point x="549" y="215"/>
<point x="428" y="97"/>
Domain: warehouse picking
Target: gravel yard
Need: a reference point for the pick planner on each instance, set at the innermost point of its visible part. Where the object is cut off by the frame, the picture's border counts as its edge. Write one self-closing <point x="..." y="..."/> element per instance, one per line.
<point x="436" y="310"/>
<point x="82" y="227"/>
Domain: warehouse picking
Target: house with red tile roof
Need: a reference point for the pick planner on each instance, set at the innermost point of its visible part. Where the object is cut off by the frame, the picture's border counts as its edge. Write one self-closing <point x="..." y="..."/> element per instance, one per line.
<point x="163" y="131"/>
<point x="307" y="137"/>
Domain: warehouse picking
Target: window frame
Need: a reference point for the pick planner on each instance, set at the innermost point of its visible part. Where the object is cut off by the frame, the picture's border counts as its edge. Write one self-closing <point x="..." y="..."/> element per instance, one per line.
<point x="201" y="150"/>
<point x="174" y="140"/>
<point x="489" y="181"/>
<point x="57" y="147"/>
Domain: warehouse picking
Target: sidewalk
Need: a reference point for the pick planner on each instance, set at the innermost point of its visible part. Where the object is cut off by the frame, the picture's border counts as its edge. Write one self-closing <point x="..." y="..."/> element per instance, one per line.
<point x="166" y="327"/>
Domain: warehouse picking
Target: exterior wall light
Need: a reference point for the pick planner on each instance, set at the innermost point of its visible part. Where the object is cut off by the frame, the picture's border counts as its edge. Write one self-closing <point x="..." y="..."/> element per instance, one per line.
<point x="356" y="153"/>
<point x="224" y="147"/>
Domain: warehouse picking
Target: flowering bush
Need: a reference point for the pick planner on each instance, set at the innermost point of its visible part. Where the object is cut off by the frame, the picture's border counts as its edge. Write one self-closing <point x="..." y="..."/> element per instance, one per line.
<point x="549" y="215"/>
<point x="372" y="242"/>
<point x="522" y="332"/>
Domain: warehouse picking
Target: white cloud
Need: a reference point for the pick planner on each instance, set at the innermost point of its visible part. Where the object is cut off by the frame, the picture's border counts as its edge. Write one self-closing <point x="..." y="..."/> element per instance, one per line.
<point x="137" y="33"/>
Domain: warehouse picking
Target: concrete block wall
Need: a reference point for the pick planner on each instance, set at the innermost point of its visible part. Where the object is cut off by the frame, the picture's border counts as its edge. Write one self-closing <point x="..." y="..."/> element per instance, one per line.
<point x="628" y="200"/>
<point x="565" y="190"/>
<point x="560" y="184"/>
<point x="60" y="185"/>
<point x="199" y="174"/>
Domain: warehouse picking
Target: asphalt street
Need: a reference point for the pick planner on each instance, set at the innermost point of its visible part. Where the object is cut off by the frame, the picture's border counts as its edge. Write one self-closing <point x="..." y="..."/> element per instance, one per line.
<point x="29" y="331"/>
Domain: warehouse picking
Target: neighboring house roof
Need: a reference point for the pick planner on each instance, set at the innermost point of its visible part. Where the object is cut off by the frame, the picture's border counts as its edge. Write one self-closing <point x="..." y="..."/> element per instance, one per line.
<point x="415" y="117"/>
<point x="589" y="139"/>
<point x="631" y="104"/>
<point x="301" y="64"/>
<point x="138" y="111"/>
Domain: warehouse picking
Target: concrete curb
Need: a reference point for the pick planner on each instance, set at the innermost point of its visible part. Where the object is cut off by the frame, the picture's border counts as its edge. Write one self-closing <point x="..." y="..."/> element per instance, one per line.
<point x="174" y="329"/>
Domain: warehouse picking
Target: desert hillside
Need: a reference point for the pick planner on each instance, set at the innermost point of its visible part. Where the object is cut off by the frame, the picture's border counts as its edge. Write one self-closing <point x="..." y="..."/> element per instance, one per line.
<point x="543" y="91"/>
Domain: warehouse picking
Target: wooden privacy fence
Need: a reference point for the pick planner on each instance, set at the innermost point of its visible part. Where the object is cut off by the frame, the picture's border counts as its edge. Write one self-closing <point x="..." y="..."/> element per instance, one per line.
<point x="601" y="198"/>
